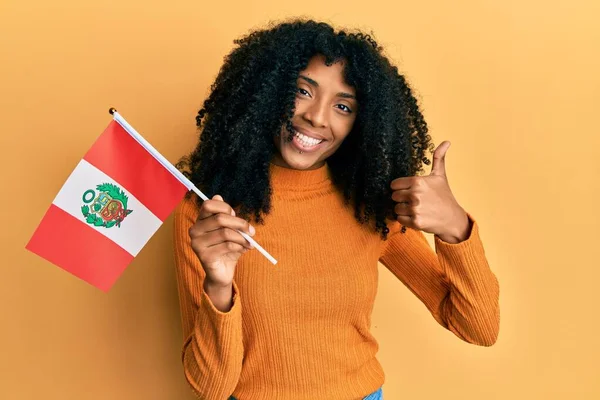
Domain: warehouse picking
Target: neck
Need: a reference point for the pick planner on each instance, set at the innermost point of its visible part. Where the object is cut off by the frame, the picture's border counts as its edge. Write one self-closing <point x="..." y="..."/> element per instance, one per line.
<point x="279" y="161"/>
<point x="286" y="177"/>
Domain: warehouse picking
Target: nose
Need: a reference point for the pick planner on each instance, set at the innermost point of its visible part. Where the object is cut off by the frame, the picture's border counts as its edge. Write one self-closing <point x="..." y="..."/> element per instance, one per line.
<point x="316" y="114"/>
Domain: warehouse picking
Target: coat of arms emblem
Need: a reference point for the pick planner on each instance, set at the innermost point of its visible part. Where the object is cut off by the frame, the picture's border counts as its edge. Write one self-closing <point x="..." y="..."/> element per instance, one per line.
<point x="106" y="206"/>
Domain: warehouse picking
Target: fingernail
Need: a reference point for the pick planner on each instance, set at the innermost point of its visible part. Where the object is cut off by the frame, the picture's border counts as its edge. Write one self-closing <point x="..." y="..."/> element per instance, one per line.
<point x="233" y="212"/>
<point x="252" y="230"/>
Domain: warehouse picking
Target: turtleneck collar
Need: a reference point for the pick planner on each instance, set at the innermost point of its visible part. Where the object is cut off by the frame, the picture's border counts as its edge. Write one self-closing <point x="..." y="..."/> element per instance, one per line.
<point x="282" y="177"/>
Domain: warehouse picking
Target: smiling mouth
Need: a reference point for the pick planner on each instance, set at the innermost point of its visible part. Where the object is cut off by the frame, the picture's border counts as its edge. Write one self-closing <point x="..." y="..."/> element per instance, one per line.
<point x="305" y="144"/>
<point x="307" y="141"/>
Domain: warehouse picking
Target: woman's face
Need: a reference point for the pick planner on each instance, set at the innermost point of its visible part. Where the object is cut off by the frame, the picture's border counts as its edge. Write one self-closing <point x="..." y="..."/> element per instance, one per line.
<point x="326" y="108"/>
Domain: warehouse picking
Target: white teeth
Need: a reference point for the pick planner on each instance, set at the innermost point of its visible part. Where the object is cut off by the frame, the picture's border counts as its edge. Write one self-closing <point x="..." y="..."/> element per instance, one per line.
<point x="306" y="140"/>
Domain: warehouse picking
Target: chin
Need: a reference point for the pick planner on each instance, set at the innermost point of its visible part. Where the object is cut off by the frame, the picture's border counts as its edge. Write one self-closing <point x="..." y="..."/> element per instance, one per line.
<point x="301" y="161"/>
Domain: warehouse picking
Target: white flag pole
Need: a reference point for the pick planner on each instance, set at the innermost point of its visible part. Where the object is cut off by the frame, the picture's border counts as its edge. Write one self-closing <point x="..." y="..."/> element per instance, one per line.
<point x="182" y="178"/>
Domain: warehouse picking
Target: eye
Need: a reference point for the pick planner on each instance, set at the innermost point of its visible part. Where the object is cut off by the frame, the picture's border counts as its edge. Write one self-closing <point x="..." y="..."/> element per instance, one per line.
<point x="348" y="110"/>
<point x="303" y="91"/>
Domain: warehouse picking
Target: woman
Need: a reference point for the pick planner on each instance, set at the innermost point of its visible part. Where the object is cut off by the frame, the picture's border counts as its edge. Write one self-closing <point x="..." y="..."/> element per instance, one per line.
<point x="314" y="145"/>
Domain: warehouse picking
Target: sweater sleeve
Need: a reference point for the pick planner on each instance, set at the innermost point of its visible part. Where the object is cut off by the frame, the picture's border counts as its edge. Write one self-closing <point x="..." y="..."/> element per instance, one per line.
<point x="212" y="340"/>
<point x="455" y="282"/>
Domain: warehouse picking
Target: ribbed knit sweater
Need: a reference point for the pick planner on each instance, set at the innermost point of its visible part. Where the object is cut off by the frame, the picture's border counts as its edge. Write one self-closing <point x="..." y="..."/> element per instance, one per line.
<point x="301" y="329"/>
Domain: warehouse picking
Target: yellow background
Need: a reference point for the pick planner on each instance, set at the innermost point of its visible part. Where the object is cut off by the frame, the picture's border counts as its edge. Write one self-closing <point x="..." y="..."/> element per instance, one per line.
<point x="513" y="84"/>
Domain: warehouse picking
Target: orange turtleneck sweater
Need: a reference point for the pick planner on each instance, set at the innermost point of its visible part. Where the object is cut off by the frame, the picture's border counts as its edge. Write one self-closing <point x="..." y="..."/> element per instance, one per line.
<point x="301" y="329"/>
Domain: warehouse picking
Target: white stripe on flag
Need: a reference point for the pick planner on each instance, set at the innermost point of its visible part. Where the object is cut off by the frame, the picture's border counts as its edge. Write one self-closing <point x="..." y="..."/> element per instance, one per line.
<point x="137" y="227"/>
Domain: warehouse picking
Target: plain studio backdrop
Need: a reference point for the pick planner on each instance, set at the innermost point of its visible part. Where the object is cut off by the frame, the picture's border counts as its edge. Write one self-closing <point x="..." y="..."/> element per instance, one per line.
<point x="513" y="85"/>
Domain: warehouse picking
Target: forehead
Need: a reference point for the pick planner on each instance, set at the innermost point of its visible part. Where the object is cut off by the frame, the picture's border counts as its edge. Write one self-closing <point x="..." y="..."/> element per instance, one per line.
<point x="327" y="76"/>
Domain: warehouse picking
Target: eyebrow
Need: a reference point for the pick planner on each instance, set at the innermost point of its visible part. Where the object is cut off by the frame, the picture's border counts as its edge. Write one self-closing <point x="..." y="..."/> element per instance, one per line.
<point x="316" y="84"/>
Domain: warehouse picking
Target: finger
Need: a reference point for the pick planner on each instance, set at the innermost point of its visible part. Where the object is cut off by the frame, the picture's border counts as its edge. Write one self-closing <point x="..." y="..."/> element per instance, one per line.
<point x="406" y="221"/>
<point x="405" y="196"/>
<point x="221" y="220"/>
<point x="404" y="209"/>
<point x="219" y="198"/>
<point x="439" y="159"/>
<point x="224" y="248"/>
<point x="214" y="206"/>
<point x="403" y="183"/>
<point x="224" y="235"/>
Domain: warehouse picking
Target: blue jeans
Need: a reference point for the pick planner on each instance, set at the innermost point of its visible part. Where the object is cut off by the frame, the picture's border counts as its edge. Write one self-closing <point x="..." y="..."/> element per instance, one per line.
<point x="378" y="395"/>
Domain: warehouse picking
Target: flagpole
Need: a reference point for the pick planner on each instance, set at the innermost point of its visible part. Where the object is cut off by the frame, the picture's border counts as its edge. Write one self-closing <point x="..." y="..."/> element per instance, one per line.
<point x="180" y="176"/>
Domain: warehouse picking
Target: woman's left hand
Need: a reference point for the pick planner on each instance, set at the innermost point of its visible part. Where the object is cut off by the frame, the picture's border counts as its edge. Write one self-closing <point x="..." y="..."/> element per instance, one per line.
<point x="426" y="202"/>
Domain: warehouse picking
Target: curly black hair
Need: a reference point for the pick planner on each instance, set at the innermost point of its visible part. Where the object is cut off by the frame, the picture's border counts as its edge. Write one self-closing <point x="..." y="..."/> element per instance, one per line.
<point x="254" y="95"/>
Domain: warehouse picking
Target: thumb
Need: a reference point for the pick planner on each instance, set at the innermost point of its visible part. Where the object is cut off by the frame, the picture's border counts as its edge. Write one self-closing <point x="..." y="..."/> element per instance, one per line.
<point x="438" y="166"/>
<point x="219" y="198"/>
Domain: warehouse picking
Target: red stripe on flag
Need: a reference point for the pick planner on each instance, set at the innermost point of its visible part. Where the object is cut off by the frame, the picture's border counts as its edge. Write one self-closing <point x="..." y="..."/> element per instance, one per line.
<point x="79" y="249"/>
<point x="120" y="156"/>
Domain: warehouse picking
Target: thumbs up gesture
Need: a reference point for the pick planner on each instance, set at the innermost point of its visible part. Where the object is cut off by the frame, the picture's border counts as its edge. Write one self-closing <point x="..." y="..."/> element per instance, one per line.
<point x="426" y="203"/>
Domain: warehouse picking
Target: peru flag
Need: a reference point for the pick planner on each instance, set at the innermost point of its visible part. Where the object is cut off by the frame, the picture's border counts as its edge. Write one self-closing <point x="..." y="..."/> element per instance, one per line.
<point x="110" y="206"/>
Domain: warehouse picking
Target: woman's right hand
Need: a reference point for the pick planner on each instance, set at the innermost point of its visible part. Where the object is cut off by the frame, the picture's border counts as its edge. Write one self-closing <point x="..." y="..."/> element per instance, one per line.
<point x="217" y="243"/>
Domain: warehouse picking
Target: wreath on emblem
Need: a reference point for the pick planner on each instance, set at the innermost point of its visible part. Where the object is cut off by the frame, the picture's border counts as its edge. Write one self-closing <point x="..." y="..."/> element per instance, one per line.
<point x="115" y="193"/>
